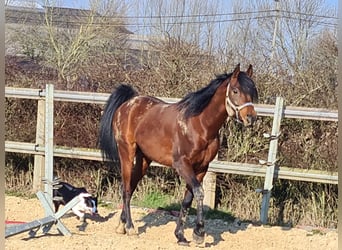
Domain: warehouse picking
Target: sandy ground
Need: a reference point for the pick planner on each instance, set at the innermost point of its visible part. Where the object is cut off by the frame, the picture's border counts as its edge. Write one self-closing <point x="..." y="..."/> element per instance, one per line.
<point x="155" y="232"/>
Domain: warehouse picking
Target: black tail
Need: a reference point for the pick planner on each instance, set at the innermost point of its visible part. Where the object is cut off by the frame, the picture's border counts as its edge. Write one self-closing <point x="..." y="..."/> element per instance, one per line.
<point x="107" y="141"/>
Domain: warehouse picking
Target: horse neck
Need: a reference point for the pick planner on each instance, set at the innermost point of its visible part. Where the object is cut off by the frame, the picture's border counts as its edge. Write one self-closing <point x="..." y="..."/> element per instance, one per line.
<point x="215" y="114"/>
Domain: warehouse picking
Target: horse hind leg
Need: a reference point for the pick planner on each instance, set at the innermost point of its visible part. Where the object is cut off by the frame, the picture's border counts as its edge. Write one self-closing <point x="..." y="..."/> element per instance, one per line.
<point x="129" y="185"/>
<point x="141" y="165"/>
<point x="125" y="225"/>
<point x="120" y="229"/>
<point x="126" y="154"/>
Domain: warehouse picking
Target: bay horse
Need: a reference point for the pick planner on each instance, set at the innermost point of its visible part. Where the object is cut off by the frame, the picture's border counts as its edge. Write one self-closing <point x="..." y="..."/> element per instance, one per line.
<point x="136" y="130"/>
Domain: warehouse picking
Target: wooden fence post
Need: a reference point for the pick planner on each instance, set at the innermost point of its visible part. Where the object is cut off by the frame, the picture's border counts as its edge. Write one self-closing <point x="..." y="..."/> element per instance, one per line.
<point x="209" y="187"/>
<point x="39" y="160"/>
<point x="271" y="160"/>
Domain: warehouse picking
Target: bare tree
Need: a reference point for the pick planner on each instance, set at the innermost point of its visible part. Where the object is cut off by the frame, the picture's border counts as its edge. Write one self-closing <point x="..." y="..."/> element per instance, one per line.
<point x="320" y="73"/>
<point x="300" y="23"/>
<point x="181" y="42"/>
<point x="69" y="39"/>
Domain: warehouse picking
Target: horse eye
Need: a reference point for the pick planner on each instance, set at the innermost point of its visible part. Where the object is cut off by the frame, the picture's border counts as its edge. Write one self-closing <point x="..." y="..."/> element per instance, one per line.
<point x="235" y="91"/>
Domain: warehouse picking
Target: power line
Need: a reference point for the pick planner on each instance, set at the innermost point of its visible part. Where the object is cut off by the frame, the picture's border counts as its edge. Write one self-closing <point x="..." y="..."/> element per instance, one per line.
<point x="196" y="15"/>
<point x="241" y="16"/>
<point x="188" y="22"/>
<point x="322" y="23"/>
<point x="81" y="13"/>
<point x="273" y="11"/>
<point x="306" y="14"/>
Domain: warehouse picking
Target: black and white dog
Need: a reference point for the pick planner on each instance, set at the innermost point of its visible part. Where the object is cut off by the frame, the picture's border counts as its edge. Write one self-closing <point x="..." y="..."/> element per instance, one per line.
<point x="64" y="192"/>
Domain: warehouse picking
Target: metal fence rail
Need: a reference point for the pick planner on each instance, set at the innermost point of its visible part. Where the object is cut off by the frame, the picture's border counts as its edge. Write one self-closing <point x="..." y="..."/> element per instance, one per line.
<point x="215" y="166"/>
<point x="101" y="98"/>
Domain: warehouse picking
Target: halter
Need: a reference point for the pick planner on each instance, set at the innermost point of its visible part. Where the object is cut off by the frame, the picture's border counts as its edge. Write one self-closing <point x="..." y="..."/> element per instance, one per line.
<point x="234" y="107"/>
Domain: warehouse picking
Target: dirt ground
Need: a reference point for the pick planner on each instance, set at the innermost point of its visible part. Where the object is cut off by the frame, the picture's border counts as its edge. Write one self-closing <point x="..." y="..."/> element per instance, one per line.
<point x="155" y="230"/>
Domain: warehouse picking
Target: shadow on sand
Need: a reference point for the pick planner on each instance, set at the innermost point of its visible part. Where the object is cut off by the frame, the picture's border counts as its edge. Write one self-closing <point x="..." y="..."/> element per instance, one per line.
<point x="216" y="222"/>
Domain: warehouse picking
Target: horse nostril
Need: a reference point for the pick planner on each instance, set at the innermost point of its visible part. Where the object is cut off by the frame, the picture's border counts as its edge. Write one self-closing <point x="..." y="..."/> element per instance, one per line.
<point x="251" y="119"/>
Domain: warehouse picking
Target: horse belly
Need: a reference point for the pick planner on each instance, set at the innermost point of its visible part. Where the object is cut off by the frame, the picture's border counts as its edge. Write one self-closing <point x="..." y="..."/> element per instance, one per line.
<point x="152" y="123"/>
<point x="155" y="146"/>
<point x="155" y="135"/>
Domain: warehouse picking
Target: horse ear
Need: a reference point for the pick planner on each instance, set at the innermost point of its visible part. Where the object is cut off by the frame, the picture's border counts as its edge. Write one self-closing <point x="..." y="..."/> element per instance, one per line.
<point x="250" y="70"/>
<point x="236" y="71"/>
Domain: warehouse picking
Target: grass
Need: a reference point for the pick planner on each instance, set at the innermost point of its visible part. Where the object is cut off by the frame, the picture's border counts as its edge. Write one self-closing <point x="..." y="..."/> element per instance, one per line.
<point x="158" y="200"/>
<point x="153" y="200"/>
<point x="20" y="194"/>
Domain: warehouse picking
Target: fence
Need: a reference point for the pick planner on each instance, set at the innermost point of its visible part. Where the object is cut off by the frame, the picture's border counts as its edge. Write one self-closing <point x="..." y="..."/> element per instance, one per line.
<point x="44" y="150"/>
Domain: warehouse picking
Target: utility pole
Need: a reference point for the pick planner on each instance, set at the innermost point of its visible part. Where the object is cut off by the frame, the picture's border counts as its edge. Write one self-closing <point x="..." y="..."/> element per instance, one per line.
<point x="275" y="31"/>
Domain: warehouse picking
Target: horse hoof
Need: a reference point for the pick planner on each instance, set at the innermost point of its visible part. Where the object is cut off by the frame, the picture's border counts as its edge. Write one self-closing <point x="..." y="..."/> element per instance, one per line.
<point x="198" y="239"/>
<point x="183" y="243"/>
<point x="121" y="229"/>
<point x="131" y="232"/>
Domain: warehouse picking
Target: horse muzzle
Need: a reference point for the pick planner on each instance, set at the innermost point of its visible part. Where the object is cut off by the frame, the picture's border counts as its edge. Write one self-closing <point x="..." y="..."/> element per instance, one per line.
<point x="250" y="120"/>
<point x="247" y="116"/>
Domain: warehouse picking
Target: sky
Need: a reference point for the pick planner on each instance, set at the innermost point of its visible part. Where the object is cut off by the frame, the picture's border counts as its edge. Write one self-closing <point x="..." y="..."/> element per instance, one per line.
<point x="84" y="3"/>
<point x="224" y="6"/>
<point x="75" y="3"/>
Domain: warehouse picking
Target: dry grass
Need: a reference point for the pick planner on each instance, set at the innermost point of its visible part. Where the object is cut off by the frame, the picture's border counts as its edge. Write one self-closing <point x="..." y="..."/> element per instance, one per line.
<point x="314" y="205"/>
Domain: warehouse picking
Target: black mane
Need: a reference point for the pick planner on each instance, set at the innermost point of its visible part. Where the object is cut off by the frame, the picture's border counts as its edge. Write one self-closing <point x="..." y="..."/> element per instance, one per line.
<point x="194" y="102"/>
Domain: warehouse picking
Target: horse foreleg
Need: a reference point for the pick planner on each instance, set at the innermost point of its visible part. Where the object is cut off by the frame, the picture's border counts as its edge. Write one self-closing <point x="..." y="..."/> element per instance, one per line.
<point x="198" y="234"/>
<point x="179" y="232"/>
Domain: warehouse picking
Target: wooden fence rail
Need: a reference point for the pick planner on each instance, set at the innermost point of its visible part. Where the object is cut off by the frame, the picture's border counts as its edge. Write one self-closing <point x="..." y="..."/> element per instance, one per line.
<point x="44" y="150"/>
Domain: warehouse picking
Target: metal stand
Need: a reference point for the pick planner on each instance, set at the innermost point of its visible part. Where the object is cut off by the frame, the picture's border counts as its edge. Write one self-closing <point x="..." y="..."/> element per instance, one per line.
<point x="45" y="223"/>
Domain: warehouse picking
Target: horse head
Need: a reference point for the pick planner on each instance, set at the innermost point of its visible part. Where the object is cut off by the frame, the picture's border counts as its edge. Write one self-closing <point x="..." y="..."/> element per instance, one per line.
<point x="240" y="94"/>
